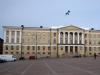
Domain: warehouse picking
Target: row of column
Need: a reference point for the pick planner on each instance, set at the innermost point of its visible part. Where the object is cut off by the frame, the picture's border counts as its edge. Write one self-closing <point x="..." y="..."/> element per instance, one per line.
<point x="73" y="49"/>
<point x="72" y="37"/>
<point x="9" y="36"/>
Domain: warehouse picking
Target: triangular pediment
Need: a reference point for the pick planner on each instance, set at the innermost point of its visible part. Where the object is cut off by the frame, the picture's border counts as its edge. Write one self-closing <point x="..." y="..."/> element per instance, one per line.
<point x="71" y="27"/>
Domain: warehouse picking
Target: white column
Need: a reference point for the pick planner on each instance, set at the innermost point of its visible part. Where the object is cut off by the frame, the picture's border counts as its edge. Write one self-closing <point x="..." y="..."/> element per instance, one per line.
<point x="63" y="37"/>
<point x="4" y="36"/>
<point x="15" y="36"/>
<point x="78" y="38"/>
<point x="82" y="38"/>
<point x="9" y="36"/>
<point x="20" y="37"/>
<point x="68" y="37"/>
<point x="73" y="37"/>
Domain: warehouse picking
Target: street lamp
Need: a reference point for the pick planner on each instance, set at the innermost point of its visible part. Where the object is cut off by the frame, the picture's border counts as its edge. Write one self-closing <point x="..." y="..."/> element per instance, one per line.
<point x="50" y="42"/>
<point x="22" y="27"/>
<point x="36" y="45"/>
<point x="57" y="43"/>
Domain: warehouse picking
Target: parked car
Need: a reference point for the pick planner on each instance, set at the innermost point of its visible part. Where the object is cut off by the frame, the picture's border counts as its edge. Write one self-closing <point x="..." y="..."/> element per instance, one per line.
<point x="2" y="61"/>
<point x="7" y="57"/>
<point x="31" y="57"/>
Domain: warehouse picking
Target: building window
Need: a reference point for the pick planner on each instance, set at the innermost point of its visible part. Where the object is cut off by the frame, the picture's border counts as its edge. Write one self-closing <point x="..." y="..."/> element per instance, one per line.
<point x="90" y="54"/>
<point x="7" y="32"/>
<point x="49" y="53"/>
<point x="89" y="48"/>
<point x="23" y="47"/>
<point x="61" y="37"/>
<point x="7" y="39"/>
<point x="12" y="47"/>
<point x="6" y="52"/>
<point x="43" y="47"/>
<point x="99" y="48"/>
<point x="54" y="34"/>
<point x="13" y="33"/>
<point x="18" y="33"/>
<point x="12" y="40"/>
<point x="48" y="47"/>
<point x="54" y="41"/>
<point x="17" y="47"/>
<point x="28" y="47"/>
<point x="12" y="53"/>
<point x="99" y="53"/>
<point x="43" y="52"/>
<point x="18" y="36"/>
<point x="6" y="47"/>
<point x="17" y="52"/>
<point x="33" y="52"/>
<point x="22" y="52"/>
<point x="81" y="48"/>
<point x="28" y="52"/>
<point x="95" y="48"/>
<point x="90" y="42"/>
<point x="76" y="49"/>
<point x="38" y="47"/>
<point x="38" y="52"/>
<point x="33" y="47"/>
<point x="98" y="42"/>
<point x="71" y="49"/>
<point x="85" y="35"/>
<point x="61" y="47"/>
<point x="54" y="47"/>
<point x="85" y="41"/>
<point x="17" y="39"/>
<point x="12" y="36"/>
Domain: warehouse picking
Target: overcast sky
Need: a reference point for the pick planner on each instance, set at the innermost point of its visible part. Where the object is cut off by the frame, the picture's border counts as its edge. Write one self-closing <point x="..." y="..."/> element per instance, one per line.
<point x="84" y="13"/>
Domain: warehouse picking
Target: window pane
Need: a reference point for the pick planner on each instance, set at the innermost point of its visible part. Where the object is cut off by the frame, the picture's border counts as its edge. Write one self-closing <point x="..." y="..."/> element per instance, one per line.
<point x="43" y="47"/>
<point x="33" y="47"/>
<point x="38" y="47"/>
<point x="54" y="34"/>
<point x="12" y="47"/>
<point x="6" y="47"/>
<point x="17" y="47"/>
<point x="28" y="47"/>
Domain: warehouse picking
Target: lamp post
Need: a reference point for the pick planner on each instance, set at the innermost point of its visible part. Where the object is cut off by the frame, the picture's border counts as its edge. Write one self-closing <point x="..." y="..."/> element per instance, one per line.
<point x="50" y="42"/>
<point x="57" y="43"/>
<point x="22" y="27"/>
<point x="36" y="45"/>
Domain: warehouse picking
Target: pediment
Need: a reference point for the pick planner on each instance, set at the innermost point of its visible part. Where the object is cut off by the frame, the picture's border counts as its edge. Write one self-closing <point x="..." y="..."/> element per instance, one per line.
<point x="71" y="27"/>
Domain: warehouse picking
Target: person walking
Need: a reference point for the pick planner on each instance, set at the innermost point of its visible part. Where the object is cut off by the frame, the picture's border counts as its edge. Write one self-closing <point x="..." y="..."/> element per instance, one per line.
<point x="95" y="55"/>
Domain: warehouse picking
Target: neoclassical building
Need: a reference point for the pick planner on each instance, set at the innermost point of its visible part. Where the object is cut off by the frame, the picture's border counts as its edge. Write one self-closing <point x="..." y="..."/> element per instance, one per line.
<point x="47" y="42"/>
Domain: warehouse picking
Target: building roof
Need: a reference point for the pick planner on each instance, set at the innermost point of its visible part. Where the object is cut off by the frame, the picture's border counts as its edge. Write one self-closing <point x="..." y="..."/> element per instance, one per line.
<point x="44" y="28"/>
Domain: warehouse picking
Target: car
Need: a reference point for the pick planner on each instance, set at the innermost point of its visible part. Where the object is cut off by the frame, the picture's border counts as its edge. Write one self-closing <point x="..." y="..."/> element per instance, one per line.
<point x="31" y="57"/>
<point x="7" y="57"/>
<point x="2" y="61"/>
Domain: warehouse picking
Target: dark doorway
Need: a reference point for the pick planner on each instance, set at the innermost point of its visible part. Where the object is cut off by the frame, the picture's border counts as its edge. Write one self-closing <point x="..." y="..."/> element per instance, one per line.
<point x="76" y="50"/>
<point x="66" y="49"/>
<point x="71" y="49"/>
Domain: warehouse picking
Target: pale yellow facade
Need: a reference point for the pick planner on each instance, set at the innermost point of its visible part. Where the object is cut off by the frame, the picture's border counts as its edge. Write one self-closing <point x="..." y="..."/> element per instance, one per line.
<point x="46" y="42"/>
